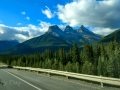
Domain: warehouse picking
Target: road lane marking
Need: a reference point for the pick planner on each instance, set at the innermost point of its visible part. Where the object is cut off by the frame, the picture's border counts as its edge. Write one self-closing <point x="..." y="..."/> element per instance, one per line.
<point x="22" y="80"/>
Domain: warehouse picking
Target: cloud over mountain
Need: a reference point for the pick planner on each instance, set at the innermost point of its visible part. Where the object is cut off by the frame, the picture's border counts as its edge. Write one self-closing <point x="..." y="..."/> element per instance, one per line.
<point x="23" y="33"/>
<point x="104" y="13"/>
<point x="103" y="31"/>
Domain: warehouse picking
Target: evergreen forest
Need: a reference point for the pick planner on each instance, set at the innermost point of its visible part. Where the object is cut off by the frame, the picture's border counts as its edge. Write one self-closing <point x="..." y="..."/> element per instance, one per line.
<point x="97" y="60"/>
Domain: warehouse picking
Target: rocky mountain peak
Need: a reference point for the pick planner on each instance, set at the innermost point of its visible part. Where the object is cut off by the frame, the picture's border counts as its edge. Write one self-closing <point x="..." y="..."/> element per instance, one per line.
<point x="68" y="29"/>
<point x="55" y="30"/>
<point x="83" y="29"/>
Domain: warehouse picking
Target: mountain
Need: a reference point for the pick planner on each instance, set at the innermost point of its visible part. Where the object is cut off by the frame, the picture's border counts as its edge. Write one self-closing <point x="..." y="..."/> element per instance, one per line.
<point x="88" y="36"/>
<point x="53" y="39"/>
<point x="80" y="35"/>
<point x="6" y="44"/>
<point x="38" y="44"/>
<point x="55" y="31"/>
<point x="68" y="29"/>
<point x="85" y="32"/>
<point x="111" y="37"/>
<point x="45" y="40"/>
<point x="70" y="33"/>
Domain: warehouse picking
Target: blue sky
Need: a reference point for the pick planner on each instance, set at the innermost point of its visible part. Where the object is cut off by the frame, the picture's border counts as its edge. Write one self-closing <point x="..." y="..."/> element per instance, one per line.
<point x="25" y="19"/>
<point x="10" y="11"/>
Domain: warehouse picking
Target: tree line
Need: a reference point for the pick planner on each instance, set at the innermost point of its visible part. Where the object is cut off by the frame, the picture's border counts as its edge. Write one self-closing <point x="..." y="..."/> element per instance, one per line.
<point x="98" y="60"/>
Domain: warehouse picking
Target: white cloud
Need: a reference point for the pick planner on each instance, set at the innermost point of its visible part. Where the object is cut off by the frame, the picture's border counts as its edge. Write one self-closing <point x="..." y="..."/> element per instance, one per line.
<point x="21" y="37"/>
<point x="104" y="14"/>
<point x="23" y="33"/>
<point x="28" y="18"/>
<point x="19" y="24"/>
<point x="48" y="13"/>
<point x="103" y="31"/>
<point x="44" y="26"/>
<point x="8" y="33"/>
<point x="23" y="13"/>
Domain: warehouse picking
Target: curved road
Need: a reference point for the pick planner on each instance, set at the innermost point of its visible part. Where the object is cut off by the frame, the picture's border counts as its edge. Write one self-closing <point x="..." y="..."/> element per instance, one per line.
<point x="11" y="79"/>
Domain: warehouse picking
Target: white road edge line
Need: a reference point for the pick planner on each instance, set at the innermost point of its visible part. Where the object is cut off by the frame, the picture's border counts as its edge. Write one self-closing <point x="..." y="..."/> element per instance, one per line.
<point x="22" y="80"/>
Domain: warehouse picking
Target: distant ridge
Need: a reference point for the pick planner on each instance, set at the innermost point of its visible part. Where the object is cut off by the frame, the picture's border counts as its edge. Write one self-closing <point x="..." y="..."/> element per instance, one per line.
<point x="111" y="37"/>
<point x="6" y="44"/>
<point x="53" y="39"/>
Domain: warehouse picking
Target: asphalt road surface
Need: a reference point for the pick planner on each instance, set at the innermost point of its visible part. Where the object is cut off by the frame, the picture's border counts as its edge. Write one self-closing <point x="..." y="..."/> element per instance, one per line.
<point x="12" y="79"/>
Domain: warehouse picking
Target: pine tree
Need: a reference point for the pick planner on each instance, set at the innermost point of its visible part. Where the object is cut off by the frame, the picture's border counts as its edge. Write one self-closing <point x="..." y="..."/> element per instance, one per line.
<point x="55" y="65"/>
<point x="102" y="63"/>
<point x="61" y="56"/>
<point x="96" y="52"/>
<point x="69" y="67"/>
<point x="76" y="67"/>
<point x="88" y="68"/>
<point x="61" y="67"/>
<point x="14" y="63"/>
<point x="75" y="54"/>
<point x="87" y="53"/>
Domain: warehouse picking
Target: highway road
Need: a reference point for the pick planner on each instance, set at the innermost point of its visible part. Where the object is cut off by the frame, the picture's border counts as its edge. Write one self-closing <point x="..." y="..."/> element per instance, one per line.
<point x="12" y="79"/>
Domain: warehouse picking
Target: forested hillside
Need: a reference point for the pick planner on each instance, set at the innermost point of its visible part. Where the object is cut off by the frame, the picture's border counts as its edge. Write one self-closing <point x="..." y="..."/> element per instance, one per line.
<point x="100" y="60"/>
<point x="6" y="44"/>
<point x="111" y="36"/>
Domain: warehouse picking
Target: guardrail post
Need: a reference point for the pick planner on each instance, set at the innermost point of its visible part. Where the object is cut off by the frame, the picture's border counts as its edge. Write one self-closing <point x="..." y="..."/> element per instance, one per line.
<point x="101" y="81"/>
<point x="67" y="76"/>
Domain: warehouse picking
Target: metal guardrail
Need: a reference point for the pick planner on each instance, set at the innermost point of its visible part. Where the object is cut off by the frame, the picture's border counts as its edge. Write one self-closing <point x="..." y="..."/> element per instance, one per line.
<point x="3" y="66"/>
<point x="100" y="79"/>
